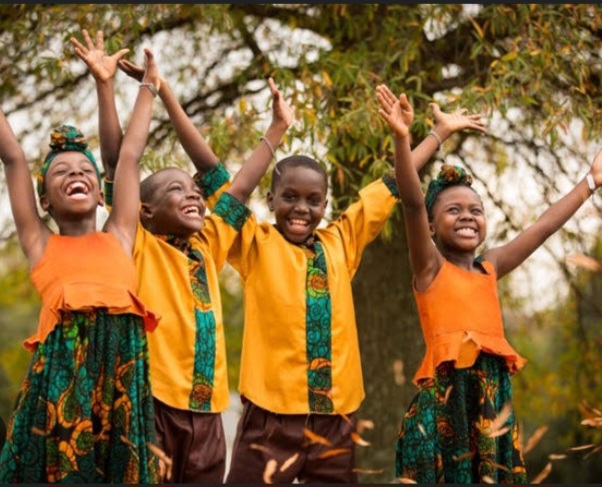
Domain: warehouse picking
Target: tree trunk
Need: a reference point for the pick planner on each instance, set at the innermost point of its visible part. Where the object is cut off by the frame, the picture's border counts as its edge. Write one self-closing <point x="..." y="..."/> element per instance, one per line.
<point x="389" y="331"/>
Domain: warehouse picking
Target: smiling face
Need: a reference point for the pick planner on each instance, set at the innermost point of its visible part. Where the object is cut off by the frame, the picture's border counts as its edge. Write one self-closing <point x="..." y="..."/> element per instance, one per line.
<point x="298" y="202"/>
<point x="71" y="185"/>
<point x="458" y="224"/>
<point x="172" y="204"/>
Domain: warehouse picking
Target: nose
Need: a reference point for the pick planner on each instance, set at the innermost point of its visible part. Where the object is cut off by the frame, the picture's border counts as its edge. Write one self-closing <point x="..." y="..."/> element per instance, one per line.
<point x="301" y="207"/>
<point x="76" y="170"/>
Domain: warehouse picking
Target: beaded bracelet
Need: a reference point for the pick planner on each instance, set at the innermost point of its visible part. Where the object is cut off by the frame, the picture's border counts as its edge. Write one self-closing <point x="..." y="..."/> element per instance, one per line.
<point x="267" y="142"/>
<point x="151" y="87"/>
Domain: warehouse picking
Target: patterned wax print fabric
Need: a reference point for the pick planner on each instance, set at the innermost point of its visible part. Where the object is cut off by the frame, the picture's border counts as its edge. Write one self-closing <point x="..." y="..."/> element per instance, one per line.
<point x="85" y="412"/>
<point x="446" y="436"/>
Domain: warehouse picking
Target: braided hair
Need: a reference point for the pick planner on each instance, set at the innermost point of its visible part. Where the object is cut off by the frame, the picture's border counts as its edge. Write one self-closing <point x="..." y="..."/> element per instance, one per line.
<point x="448" y="176"/>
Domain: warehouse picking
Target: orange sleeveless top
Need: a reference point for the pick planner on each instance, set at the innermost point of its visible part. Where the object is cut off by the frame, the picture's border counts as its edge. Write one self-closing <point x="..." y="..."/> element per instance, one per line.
<point x="460" y="316"/>
<point x="81" y="274"/>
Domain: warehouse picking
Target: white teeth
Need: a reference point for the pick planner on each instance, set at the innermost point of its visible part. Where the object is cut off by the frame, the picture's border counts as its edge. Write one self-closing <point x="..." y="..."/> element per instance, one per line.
<point x="77" y="186"/>
<point x="299" y="222"/>
<point x="191" y="210"/>
<point x="467" y="231"/>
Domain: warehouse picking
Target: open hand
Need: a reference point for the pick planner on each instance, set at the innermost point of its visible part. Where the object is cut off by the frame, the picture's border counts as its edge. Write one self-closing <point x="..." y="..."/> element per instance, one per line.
<point x="151" y="71"/>
<point x="282" y="112"/>
<point x="398" y="112"/>
<point x="596" y="169"/>
<point x="448" y="123"/>
<point x="102" y="66"/>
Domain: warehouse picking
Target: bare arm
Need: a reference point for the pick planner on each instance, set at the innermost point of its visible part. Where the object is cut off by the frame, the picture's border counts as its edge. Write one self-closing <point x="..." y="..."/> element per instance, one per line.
<point x="507" y="257"/>
<point x="247" y="179"/>
<point x="425" y="259"/>
<point x="31" y="230"/>
<point x="103" y="67"/>
<point x="124" y="216"/>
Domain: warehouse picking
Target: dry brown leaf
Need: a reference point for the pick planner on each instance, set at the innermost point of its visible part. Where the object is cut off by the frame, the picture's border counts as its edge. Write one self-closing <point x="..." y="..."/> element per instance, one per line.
<point x="364" y="424"/>
<point x="398" y="375"/>
<point x="543" y="474"/>
<point x="585" y="262"/>
<point x="334" y="452"/>
<point x="535" y="438"/>
<point x="500" y="420"/>
<point x="464" y="456"/>
<point x="500" y="432"/>
<point x="369" y="472"/>
<point x="582" y="447"/>
<point x="288" y="462"/>
<point x="265" y="449"/>
<point x="270" y="469"/>
<point x="314" y="438"/>
<point x="487" y="479"/>
<point x="357" y="439"/>
<point x="447" y="393"/>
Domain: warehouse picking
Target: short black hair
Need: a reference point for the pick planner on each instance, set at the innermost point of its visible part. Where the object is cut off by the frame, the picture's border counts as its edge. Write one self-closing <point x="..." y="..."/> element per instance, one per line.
<point x="296" y="161"/>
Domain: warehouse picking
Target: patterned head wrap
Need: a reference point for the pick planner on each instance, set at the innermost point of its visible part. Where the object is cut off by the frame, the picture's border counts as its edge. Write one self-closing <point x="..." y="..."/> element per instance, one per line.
<point x="448" y="176"/>
<point x="63" y="139"/>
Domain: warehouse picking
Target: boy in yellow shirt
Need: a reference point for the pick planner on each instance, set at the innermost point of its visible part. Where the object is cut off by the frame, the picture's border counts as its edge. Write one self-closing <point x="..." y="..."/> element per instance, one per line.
<point x="178" y="254"/>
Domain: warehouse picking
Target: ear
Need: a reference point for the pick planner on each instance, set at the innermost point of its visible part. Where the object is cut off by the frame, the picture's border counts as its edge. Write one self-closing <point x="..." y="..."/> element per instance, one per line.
<point x="44" y="203"/>
<point x="432" y="229"/>
<point x="146" y="211"/>
<point x="101" y="198"/>
<point x="270" y="199"/>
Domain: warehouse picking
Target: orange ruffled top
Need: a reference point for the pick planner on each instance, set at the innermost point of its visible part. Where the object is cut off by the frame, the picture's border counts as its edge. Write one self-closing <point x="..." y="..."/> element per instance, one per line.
<point x="461" y="316"/>
<point x="83" y="273"/>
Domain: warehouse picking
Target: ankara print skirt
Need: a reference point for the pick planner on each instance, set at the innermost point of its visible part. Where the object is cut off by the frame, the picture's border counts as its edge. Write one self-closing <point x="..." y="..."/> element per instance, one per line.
<point x="446" y="434"/>
<point x="84" y="413"/>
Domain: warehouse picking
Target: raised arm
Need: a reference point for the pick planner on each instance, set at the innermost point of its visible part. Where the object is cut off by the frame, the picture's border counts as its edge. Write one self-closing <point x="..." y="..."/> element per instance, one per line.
<point x="31" y="230"/>
<point x="507" y="257"/>
<point x="248" y="177"/>
<point x="425" y="259"/>
<point x="124" y="216"/>
<point x="446" y="124"/>
<point x="103" y="67"/>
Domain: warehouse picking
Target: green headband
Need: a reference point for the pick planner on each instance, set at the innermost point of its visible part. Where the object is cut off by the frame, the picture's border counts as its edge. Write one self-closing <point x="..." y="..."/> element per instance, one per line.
<point x="448" y="176"/>
<point x="63" y="139"/>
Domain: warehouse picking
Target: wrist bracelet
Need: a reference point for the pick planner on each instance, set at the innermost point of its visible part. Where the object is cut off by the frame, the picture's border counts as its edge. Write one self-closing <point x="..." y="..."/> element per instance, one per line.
<point x="591" y="184"/>
<point x="267" y="142"/>
<point x="151" y="87"/>
<point x="436" y="135"/>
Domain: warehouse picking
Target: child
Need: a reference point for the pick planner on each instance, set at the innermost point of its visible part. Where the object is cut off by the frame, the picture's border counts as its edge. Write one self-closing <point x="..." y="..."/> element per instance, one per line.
<point x="301" y="380"/>
<point x="460" y="427"/>
<point x="84" y="413"/>
<point x="178" y="254"/>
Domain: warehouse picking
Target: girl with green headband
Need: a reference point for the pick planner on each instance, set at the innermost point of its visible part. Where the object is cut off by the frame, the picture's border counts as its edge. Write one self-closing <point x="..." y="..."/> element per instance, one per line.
<point x="460" y="427"/>
<point x="84" y="413"/>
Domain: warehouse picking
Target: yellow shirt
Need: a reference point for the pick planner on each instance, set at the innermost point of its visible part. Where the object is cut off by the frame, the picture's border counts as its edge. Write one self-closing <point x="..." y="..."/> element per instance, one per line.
<point x="164" y="280"/>
<point x="274" y="364"/>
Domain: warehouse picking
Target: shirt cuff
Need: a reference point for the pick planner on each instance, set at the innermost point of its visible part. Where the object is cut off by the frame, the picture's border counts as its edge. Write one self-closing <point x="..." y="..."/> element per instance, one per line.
<point x="232" y="211"/>
<point x="212" y="180"/>
<point x="391" y="183"/>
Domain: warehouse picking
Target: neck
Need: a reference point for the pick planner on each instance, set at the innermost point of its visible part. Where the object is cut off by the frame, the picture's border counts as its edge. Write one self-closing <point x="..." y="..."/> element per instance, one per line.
<point x="77" y="227"/>
<point x="464" y="261"/>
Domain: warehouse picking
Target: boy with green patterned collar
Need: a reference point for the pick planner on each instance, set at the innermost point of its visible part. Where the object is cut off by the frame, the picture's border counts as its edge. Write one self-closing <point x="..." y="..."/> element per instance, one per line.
<point x="178" y="254"/>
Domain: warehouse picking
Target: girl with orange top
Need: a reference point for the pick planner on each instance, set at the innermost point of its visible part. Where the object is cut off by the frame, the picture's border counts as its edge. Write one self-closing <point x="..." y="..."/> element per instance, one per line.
<point x="460" y="427"/>
<point x="84" y="413"/>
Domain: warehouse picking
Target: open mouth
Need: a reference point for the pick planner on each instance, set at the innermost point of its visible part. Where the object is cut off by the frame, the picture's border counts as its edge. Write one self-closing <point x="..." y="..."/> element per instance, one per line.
<point x="77" y="190"/>
<point x="466" y="232"/>
<point x="192" y="211"/>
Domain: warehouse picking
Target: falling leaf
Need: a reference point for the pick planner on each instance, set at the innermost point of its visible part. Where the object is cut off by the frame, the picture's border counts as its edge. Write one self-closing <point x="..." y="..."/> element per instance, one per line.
<point x="368" y="472"/>
<point x="464" y="456"/>
<point x="265" y="449"/>
<point x="583" y="447"/>
<point x="501" y="418"/>
<point x="556" y="456"/>
<point x="447" y="393"/>
<point x="543" y="474"/>
<point x="364" y="424"/>
<point x="314" y="438"/>
<point x="358" y="439"/>
<point x="288" y="462"/>
<point x="595" y="422"/>
<point x="270" y="469"/>
<point x="334" y="452"/>
<point x="398" y="375"/>
<point x="535" y="438"/>
<point x="487" y="479"/>
<point x="165" y="462"/>
<point x="500" y="432"/>
<point x="585" y="262"/>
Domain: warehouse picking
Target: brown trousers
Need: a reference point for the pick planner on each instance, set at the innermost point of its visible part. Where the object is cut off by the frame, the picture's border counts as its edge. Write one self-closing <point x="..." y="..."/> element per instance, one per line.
<point x="262" y="437"/>
<point x="194" y="441"/>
